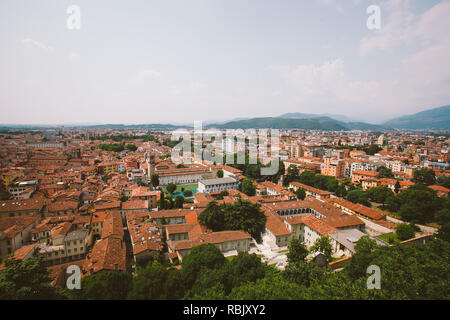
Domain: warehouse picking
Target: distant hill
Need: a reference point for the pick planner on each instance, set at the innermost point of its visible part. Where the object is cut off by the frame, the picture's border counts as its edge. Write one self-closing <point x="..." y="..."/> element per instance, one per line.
<point x="135" y="126"/>
<point x="437" y="119"/>
<point x="317" y="123"/>
<point x="279" y="123"/>
<point x="299" y="115"/>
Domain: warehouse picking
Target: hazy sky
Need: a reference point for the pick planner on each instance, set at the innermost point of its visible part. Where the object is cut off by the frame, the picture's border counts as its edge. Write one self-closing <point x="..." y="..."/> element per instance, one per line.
<point x="143" y="61"/>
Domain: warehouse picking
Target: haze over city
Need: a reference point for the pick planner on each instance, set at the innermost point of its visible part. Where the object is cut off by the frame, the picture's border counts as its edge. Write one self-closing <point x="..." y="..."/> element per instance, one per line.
<point x="178" y="61"/>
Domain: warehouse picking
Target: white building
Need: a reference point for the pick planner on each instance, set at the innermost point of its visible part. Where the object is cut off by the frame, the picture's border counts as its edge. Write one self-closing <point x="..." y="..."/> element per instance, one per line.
<point x="220" y="184"/>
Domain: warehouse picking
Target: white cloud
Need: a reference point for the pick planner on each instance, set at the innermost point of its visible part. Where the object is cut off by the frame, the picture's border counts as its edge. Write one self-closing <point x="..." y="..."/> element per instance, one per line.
<point x="396" y="27"/>
<point x="30" y="43"/>
<point x="73" y="57"/>
<point x="337" y="4"/>
<point x="147" y="74"/>
<point x="188" y="88"/>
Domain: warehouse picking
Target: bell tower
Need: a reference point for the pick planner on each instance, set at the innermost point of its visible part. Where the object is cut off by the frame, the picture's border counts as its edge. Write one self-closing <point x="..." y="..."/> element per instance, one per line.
<point x="150" y="160"/>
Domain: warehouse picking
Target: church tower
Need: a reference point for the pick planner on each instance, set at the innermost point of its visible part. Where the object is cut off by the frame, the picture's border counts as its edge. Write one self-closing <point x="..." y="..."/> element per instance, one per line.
<point x="149" y="159"/>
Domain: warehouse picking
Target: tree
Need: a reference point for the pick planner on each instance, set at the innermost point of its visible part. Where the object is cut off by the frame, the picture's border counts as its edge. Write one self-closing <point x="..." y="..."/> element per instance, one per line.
<point x="323" y="245"/>
<point x="384" y="172"/>
<point x="404" y="232"/>
<point x="110" y="285"/>
<point x="241" y="215"/>
<point x="26" y="279"/>
<point x="297" y="251"/>
<point x="171" y="187"/>
<point x="155" y="281"/>
<point x="154" y="179"/>
<point x="444" y="232"/>
<point x="361" y="258"/>
<point x="162" y="202"/>
<point x="358" y="196"/>
<point x="222" y="194"/>
<point x="397" y="187"/>
<point x="179" y="200"/>
<point x="205" y="256"/>
<point x="418" y="204"/>
<point x="307" y="177"/>
<point x="4" y="193"/>
<point x="243" y="268"/>
<point x="303" y="273"/>
<point x="379" y="194"/>
<point x="219" y="173"/>
<point x="187" y="193"/>
<point x="291" y="175"/>
<point x="131" y="147"/>
<point x="300" y="193"/>
<point x="212" y="217"/>
<point x="424" y="176"/>
<point x="444" y="181"/>
<point x="247" y="187"/>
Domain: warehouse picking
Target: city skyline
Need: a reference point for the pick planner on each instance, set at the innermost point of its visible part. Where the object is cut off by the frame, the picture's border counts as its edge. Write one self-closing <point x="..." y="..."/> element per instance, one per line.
<point x="157" y="62"/>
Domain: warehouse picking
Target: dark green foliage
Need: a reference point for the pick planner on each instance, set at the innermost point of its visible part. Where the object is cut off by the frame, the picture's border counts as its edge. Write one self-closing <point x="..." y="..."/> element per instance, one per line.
<point x="404" y="232"/>
<point x="322" y="182"/>
<point x="300" y="193"/>
<point x="424" y="176"/>
<point x="358" y="196"/>
<point x="291" y="175"/>
<point x="179" y="200"/>
<point x="171" y="187"/>
<point x="162" y="202"/>
<point x="241" y="215"/>
<point x="187" y="193"/>
<point x="384" y="172"/>
<point x="4" y="194"/>
<point x="444" y="232"/>
<point x="417" y="204"/>
<point x="131" y="147"/>
<point x="443" y="181"/>
<point x="212" y="217"/>
<point x="108" y="285"/>
<point x="155" y="282"/>
<point x="247" y="187"/>
<point x="303" y="273"/>
<point x="26" y="279"/>
<point x="322" y="245"/>
<point x="154" y="180"/>
<point x="116" y="147"/>
<point x="379" y="194"/>
<point x="297" y="251"/>
<point x="219" y="173"/>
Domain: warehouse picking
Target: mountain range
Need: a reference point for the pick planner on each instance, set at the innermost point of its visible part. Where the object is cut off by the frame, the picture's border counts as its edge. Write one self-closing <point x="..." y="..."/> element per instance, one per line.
<point x="432" y="119"/>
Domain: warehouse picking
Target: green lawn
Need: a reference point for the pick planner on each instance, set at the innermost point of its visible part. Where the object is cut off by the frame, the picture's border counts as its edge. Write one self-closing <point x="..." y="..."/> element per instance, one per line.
<point x="191" y="187"/>
<point x="387" y="212"/>
<point x="385" y="237"/>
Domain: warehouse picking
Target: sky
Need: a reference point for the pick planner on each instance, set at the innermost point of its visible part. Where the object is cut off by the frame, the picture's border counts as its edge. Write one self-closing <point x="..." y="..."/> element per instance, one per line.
<point x="145" y="61"/>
